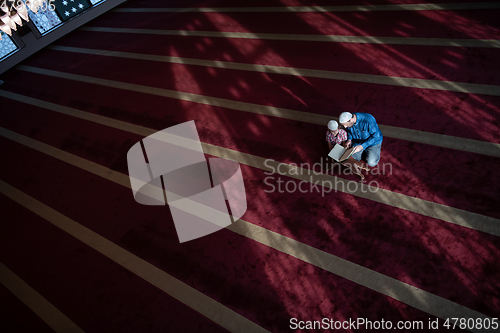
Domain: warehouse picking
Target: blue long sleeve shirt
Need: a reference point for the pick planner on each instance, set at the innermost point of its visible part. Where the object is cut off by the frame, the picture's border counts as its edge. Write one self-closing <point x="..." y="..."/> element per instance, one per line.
<point x="365" y="131"/>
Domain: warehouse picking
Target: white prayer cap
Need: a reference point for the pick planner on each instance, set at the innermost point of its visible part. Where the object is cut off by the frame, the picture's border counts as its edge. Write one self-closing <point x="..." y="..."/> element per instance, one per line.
<point x="333" y="125"/>
<point x="345" y="117"/>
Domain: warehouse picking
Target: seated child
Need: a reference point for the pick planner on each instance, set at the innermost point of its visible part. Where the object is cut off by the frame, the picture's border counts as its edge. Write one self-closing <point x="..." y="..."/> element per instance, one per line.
<point x="335" y="135"/>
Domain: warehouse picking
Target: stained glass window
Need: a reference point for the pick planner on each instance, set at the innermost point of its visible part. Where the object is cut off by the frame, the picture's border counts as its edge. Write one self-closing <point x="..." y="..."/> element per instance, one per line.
<point x="45" y="20"/>
<point x="70" y="8"/>
<point x="7" y="46"/>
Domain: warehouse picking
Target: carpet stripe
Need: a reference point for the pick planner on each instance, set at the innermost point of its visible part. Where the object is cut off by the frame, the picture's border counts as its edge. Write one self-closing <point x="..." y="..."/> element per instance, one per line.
<point x="211" y="309"/>
<point x="403" y="292"/>
<point x="439" y="140"/>
<point x="427" y="208"/>
<point x="36" y="302"/>
<point x="470" y="88"/>
<point x="438" y="24"/>
<point x="407" y="168"/>
<point x="383" y="284"/>
<point x="296" y="9"/>
<point x="491" y="43"/>
<point x="276" y="212"/>
<point x="411" y="61"/>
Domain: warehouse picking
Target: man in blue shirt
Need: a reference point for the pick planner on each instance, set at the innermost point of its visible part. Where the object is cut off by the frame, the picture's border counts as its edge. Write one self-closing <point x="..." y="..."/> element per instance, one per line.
<point x="363" y="133"/>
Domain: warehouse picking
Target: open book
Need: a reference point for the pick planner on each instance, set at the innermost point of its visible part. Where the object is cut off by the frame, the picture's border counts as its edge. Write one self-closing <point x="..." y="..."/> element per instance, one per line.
<point x="340" y="154"/>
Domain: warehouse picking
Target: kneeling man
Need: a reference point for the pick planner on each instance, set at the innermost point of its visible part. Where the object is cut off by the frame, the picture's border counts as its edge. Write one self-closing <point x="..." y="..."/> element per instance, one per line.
<point x="363" y="133"/>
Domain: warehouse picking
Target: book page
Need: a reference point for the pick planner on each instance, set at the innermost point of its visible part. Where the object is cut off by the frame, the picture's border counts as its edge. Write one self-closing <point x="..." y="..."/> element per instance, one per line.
<point x="347" y="154"/>
<point x="337" y="152"/>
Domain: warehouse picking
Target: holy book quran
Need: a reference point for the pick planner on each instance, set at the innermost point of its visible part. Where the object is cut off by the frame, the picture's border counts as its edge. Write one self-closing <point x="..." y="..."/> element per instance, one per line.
<point x="340" y="154"/>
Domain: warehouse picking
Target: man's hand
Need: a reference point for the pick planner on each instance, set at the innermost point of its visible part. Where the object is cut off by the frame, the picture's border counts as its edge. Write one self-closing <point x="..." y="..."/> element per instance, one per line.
<point x="348" y="144"/>
<point x="358" y="148"/>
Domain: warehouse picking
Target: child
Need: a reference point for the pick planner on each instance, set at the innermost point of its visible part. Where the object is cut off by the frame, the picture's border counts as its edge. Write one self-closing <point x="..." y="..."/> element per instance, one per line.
<point x="335" y="135"/>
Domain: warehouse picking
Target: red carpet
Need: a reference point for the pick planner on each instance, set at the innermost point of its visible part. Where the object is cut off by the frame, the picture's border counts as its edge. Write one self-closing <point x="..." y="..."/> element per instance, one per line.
<point x="430" y="25"/>
<point x="394" y="60"/>
<point x="258" y="282"/>
<point x="406" y="168"/>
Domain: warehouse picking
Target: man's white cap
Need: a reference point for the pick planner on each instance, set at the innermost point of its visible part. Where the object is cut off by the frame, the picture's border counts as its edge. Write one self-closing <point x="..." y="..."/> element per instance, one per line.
<point x="345" y="117"/>
<point x="333" y="125"/>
